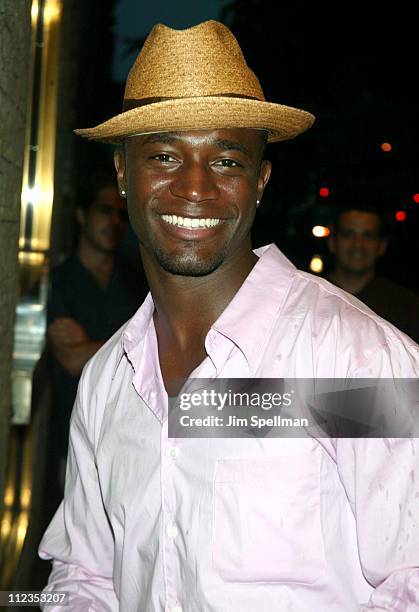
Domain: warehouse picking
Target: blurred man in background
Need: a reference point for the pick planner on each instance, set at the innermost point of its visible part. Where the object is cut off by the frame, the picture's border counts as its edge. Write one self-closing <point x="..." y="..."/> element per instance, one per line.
<point x="357" y="242"/>
<point x="91" y="296"/>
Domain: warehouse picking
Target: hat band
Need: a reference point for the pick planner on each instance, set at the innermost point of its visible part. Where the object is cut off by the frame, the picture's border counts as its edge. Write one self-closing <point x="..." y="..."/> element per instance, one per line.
<point x="130" y="103"/>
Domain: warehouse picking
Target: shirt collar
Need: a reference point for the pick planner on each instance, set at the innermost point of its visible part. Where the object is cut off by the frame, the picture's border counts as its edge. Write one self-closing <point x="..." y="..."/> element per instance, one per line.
<point x="134" y="332"/>
<point x="248" y="319"/>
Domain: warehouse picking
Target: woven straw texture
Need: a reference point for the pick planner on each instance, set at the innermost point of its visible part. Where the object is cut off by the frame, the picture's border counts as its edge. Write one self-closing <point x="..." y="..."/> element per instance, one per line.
<point x="203" y="73"/>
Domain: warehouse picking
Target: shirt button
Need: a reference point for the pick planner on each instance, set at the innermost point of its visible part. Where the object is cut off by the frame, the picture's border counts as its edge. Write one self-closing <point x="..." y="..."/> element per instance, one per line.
<point x="172" y="531"/>
<point x="174" y="452"/>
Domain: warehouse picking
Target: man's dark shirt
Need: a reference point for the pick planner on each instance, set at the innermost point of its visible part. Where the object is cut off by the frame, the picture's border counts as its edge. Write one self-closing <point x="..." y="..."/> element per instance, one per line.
<point x="75" y="293"/>
<point x="394" y="303"/>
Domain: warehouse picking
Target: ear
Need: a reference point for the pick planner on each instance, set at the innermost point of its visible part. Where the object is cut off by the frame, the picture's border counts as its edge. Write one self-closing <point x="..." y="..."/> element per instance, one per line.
<point x="119" y="161"/>
<point x="264" y="174"/>
<point x="80" y="215"/>
<point x="383" y="247"/>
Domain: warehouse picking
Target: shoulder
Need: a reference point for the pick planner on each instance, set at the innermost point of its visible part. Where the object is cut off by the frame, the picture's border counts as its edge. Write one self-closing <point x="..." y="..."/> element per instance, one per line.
<point x="110" y="370"/>
<point x="97" y="379"/>
<point x="349" y="328"/>
<point x="327" y="301"/>
<point x="100" y="369"/>
<point x="391" y="290"/>
<point x="68" y="264"/>
<point x="64" y="272"/>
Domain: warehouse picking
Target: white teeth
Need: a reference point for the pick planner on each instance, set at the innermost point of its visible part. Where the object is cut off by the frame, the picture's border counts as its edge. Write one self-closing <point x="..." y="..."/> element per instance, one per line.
<point x="189" y="222"/>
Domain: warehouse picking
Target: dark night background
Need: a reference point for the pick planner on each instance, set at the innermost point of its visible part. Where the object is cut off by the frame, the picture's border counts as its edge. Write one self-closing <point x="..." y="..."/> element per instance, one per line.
<point x="354" y="66"/>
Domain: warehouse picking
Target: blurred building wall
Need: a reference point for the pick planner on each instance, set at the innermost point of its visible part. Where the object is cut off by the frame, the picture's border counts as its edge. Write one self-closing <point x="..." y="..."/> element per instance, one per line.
<point x="86" y="96"/>
<point x="62" y="227"/>
<point x="15" y="44"/>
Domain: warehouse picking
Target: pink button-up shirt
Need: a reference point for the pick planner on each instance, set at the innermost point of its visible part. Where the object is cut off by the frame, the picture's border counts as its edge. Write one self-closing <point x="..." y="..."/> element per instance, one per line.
<point x="151" y="523"/>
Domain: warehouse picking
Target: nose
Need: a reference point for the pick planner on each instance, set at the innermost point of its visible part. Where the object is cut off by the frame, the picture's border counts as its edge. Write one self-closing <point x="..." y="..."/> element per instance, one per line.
<point x="195" y="182"/>
<point x="358" y="240"/>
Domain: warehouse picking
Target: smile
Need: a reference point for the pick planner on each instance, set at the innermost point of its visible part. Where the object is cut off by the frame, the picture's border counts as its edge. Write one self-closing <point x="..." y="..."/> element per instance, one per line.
<point x="190" y="222"/>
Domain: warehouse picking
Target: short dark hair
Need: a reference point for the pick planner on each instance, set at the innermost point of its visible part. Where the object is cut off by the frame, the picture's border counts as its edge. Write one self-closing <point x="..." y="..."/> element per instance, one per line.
<point x="364" y="207"/>
<point x="264" y="140"/>
<point x="98" y="179"/>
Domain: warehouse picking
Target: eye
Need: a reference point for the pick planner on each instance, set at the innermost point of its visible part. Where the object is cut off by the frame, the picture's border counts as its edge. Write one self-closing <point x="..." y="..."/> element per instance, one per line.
<point x="164" y="158"/>
<point x="228" y="163"/>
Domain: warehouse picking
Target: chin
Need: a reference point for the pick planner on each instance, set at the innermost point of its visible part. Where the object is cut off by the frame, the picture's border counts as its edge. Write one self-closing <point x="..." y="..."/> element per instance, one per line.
<point x="358" y="269"/>
<point x="107" y="249"/>
<point x="189" y="264"/>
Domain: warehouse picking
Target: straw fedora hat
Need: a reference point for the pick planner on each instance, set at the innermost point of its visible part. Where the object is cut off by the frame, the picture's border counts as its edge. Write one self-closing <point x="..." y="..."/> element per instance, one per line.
<point x="195" y="79"/>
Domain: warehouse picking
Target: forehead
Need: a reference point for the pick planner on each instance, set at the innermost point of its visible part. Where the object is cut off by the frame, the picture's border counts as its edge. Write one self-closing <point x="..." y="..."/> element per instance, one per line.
<point x="357" y="219"/>
<point x="245" y="140"/>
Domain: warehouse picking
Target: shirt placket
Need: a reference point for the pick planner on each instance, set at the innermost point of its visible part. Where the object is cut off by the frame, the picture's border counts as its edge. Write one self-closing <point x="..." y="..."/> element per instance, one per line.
<point x="171" y="522"/>
<point x="170" y="451"/>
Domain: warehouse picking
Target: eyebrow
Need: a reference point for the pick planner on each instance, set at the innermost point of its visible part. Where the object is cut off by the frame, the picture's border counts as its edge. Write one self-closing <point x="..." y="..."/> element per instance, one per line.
<point x="221" y="143"/>
<point x="231" y="145"/>
<point x="163" y="137"/>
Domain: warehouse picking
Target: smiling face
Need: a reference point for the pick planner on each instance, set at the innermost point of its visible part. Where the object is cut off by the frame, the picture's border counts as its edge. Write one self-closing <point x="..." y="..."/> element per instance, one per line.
<point x="104" y="222"/>
<point x="357" y="243"/>
<point x="192" y="196"/>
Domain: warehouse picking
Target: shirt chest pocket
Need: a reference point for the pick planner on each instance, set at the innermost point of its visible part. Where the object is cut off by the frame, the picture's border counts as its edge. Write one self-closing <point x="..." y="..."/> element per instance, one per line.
<point x="267" y="519"/>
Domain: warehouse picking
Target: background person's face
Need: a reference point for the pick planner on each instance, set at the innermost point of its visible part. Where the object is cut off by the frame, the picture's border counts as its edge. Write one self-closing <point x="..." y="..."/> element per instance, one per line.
<point x="192" y="195"/>
<point x="104" y="222"/>
<point x="357" y="243"/>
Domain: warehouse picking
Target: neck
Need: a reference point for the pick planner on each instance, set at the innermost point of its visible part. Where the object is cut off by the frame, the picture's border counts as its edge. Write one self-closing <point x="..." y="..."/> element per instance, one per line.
<point x="98" y="263"/>
<point x="187" y="306"/>
<point x="352" y="282"/>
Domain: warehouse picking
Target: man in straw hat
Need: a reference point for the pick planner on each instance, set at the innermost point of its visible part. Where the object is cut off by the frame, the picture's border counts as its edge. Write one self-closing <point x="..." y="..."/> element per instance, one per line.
<point x="154" y="520"/>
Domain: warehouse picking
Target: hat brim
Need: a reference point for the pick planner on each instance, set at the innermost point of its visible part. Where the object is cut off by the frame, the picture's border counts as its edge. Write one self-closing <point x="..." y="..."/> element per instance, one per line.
<point x="200" y="113"/>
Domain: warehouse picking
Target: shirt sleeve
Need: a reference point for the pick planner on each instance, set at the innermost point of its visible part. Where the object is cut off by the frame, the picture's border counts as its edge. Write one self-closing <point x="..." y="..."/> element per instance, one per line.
<point x="381" y="479"/>
<point x="79" y="539"/>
